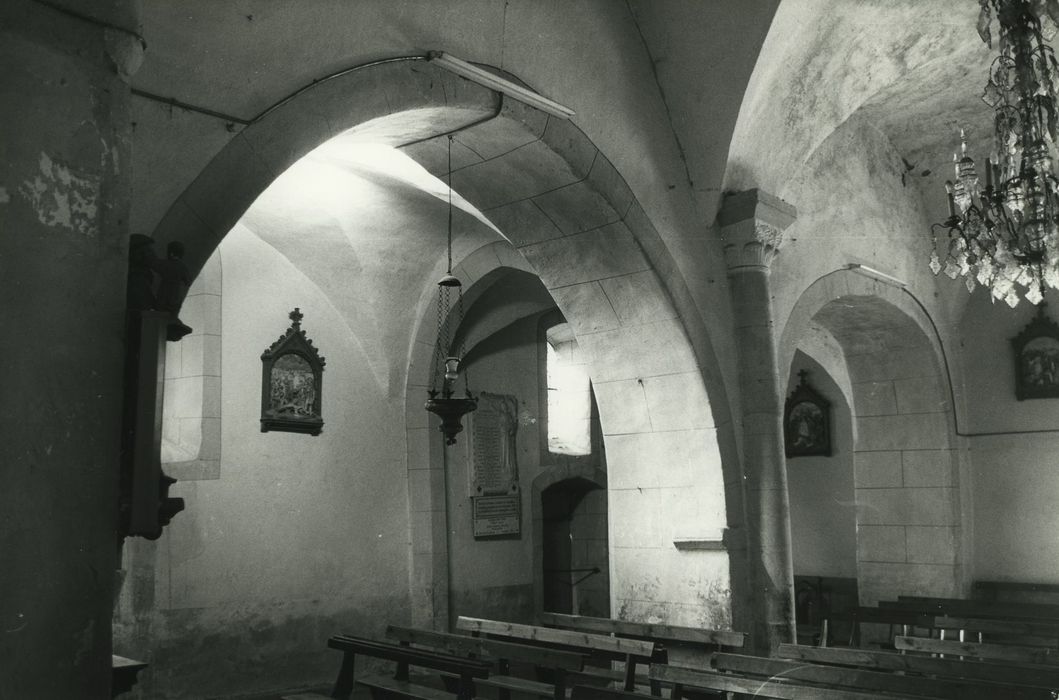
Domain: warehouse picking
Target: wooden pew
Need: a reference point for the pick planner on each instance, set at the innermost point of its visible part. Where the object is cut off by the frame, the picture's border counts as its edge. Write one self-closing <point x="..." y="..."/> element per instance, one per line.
<point x="864" y="679"/>
<point x="995" y="590"/>
<point x="399" y="685"/>
<point x="556" y="662"/>
<point x="959" y="607"/>
<point x="710" y="638"/>
<point x="906" y="620"/>
<point x="628" y="651"/>
<point x="696" y="681"/>
<point x="994" y="652"/>
<point x="666" y="637"/>
<point x="1033" y="681"/>
<point x="910" y="615"/>
<point x="999" y="630"/>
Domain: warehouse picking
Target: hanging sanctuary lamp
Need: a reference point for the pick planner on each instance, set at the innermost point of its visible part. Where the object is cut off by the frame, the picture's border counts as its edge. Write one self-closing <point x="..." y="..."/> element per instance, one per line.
<point x="1005" y="235"/>
<point x="446" y="370"/>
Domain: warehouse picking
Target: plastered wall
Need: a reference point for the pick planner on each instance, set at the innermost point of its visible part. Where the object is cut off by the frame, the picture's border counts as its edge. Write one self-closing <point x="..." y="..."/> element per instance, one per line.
<point x="823" y="510"/>
<point x="301" y="536"/>
<point x="1016" y="471"/>
<point x="494" y="578"/>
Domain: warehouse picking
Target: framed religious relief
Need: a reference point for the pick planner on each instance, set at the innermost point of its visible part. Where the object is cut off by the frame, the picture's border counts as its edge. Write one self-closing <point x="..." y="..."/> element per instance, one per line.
<point x="1037" y="359"/>
<point x="291" y="382"/>
<point x="806" y="421"/>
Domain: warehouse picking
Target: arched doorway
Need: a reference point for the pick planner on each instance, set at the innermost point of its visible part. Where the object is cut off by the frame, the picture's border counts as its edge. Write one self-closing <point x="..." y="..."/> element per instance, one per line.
<point x="574" y="548"/>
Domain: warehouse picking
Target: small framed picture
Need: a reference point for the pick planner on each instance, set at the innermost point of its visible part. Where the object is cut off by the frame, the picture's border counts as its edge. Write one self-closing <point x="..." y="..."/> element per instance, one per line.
<point x="806" y="421"/>
<point x="1037" y="359"/>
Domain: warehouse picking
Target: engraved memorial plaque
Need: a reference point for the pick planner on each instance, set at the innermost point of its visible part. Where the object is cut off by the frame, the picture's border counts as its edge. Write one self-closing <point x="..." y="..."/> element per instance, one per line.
<point x="493" y="458"/>
<point x="497" y="516"/>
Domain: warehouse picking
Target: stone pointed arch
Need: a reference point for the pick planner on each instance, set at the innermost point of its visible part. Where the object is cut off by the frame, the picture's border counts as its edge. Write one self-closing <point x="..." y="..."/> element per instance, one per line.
<point x="911" y="536"/>
<point x="570" y="216"/>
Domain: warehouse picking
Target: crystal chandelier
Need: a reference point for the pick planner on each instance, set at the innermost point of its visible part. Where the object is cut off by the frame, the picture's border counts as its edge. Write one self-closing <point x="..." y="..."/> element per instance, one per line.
<point x="442" y="400"/>
<point x="1005" y="236"/>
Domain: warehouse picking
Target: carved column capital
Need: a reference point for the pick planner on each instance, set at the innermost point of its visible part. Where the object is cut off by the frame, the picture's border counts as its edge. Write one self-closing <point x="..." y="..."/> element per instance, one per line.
<point x="752" y="224"/>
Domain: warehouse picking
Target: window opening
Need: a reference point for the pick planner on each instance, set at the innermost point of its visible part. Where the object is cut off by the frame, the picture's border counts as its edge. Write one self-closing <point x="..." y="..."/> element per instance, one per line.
<point x="569" y="394"/>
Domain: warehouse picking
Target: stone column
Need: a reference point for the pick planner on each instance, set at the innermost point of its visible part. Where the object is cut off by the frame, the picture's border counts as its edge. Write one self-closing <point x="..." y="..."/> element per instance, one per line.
<point x="64" y="174"/>
<point x="752" y="225"/>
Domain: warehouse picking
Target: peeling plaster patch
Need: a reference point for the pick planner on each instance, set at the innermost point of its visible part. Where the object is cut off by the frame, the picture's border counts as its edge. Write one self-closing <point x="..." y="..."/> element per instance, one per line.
<point x="61" y="197"/>
<point x="110" y="152"/>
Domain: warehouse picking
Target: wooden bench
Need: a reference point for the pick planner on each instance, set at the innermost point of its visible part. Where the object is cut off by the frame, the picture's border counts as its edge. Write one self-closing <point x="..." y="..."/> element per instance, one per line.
<point x="698" y="641"/>
<point x="995" y="652"/>
<point x="697" y="681"/>
<point x="1031" y="681"/>
<point x="864" y="679"/>
<point x="999" y="630"/>
<point x="662" y="634"/>
<point x="385" y="687"/>
<point x="556" y="663"/>
<point x="906" y="620"/>
<point x="959" y="607"/>
<point x="630" y="652"/>
<point x="995" y="590"/>
<point x="908" y="616"/>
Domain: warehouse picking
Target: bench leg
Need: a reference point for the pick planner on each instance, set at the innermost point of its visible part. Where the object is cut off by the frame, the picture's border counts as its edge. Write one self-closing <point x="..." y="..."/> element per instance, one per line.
<point x="466" y="689"/>
<point x="630" y="674"/>
<point x="344" y="685"/>
<point x="661" y="656"/>
<point x="560" y="684"/>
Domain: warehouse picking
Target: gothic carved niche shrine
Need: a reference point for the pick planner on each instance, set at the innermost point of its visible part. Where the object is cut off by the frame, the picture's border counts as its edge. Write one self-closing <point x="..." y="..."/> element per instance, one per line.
<point x="291" y="383"/>
<point x="806" y="421"/>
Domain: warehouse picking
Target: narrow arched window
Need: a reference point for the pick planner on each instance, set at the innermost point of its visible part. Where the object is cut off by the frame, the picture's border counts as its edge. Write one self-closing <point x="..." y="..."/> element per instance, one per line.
<point x="569" y="393"/>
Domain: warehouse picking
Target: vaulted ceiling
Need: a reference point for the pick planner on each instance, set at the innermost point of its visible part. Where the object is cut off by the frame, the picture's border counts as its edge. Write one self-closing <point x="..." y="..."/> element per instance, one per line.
<point x="686" y="98"/>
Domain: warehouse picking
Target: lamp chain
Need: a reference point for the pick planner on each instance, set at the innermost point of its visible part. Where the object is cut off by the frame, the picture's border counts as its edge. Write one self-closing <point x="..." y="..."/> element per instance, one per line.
<point x="438" y="341"/>
<point x="465" y="368"/>
<point x="450" y="203"/>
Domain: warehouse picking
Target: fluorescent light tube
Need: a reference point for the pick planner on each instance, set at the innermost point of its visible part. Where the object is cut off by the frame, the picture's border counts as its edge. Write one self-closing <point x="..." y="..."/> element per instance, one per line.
<point x="494" y="82"/>
<point x="875" y="274"/>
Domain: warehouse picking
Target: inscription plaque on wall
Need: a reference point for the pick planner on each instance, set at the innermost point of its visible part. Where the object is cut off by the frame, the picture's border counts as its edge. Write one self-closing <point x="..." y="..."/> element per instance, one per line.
<point x="497" y="516"/>
<point x="493" y="458"/>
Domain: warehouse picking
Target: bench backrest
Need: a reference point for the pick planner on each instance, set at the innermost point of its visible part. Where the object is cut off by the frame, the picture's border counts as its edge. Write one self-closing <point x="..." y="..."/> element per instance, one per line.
<point x="614" y="646"/>
<point x="888" y="616"/>
<point x="992" y="672"/>
<point x="864" y="679"/>
<point x="959" y="607"/>
<point x="645" y="630"/>
<point x="593" y="692"/>
<point x="991" y="590"/>
<point x="1000" y="652"/>
<point x="906" y="619"/>
<point x="1028" y="632"/>
<point x="757" y="687"/>
<point x="463" y="645"/>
